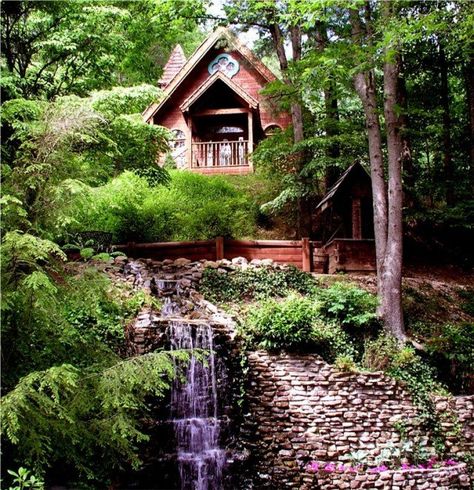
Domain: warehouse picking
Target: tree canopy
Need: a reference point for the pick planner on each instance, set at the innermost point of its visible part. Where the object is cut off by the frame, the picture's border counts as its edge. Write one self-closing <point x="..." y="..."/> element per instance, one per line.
<point x="389" y="84"/>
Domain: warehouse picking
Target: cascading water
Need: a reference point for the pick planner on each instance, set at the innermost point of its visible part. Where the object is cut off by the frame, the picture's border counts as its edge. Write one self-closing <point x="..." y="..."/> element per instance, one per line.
<point x="187" y="435"/>
<point x="194" y="410"/>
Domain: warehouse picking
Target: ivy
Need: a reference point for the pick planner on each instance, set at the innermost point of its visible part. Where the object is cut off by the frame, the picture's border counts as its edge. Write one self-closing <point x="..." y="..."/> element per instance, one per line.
<point x="255" y="283"/>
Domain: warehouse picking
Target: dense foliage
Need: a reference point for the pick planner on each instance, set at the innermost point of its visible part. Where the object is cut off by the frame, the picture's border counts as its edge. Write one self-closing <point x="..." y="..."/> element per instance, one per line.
<point x="68" y="396"/>
<point x="295" y="324"/>
<point x="432" y="44"/>
<point x="58" y="48"/>
<point x="190" y="207"/>
<point x="77" y="156"/>
<point x="54" y="149"/>
<point x="254" y="283"/>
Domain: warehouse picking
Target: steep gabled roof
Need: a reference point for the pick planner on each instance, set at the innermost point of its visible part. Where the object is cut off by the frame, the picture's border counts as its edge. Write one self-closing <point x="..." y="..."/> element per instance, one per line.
<point x="218" y="75"/>
<point x="174" y="64"/>
<point x="197" y="56"/>
<point x="337" y="186"/>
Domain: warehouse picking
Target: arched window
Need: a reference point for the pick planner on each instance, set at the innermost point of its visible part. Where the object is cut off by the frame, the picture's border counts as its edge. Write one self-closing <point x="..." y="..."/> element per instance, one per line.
<point x="272" y="129"/>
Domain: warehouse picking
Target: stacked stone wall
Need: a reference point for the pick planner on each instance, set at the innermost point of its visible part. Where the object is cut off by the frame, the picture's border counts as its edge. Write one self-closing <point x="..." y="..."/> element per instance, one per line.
<point x="302" y="409"/>
<point x="421" y="479"/>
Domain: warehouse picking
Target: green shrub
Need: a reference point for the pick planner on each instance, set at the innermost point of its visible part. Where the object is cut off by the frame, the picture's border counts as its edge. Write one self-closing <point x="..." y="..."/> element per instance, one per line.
<point x="25" y="480"/>
<point x="401" y="362"/>
<point x="345" y="363"/>
<point x="348" y="304"/>
<point x="453" y="345"/>
<point x="293" y="324"/>
<point x="192" y="207"/>
<point x="283" y="325"/>
<point x="255" y="283"/>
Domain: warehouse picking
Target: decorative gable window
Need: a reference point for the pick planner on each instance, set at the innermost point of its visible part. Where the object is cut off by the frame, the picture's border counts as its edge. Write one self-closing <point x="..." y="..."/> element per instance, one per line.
<point x="224" y="63"/>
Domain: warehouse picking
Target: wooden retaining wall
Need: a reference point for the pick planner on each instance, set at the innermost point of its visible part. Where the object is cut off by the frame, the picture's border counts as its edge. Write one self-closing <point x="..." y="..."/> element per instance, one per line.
<point x="307" y="255"/>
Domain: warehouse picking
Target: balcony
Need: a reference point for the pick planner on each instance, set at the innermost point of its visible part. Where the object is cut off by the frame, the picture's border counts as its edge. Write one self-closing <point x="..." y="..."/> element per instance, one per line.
<point x="220" y="157"/>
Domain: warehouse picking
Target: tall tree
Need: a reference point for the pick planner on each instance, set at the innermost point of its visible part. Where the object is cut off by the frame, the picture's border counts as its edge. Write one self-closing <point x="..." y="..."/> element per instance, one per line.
<point x="280" y="22"/>
<point x="387" y="198"/>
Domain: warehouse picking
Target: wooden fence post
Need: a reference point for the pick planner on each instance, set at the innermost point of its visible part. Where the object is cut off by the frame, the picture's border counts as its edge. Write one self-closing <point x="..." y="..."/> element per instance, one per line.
<point x="219" y="248"/>
<point x="130" y="248"/>
<point x="306" y="254"/>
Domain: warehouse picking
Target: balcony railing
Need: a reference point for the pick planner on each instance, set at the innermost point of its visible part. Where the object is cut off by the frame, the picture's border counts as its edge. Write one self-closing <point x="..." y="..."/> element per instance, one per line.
<point x="220" y="154"/>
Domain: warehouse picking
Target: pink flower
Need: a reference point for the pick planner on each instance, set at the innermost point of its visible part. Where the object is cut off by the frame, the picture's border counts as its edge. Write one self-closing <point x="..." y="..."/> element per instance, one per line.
<point x="450" y="462"/>
<point x="341" y="468"/>
<point x="330" y="467"/>
<point x="313" y="466"/>
<point x="405" y="466"/>
<point x="378" y="469"/>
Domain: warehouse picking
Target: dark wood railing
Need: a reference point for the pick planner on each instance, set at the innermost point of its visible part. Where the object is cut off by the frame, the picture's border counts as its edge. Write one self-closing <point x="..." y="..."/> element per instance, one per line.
<point x="210" y="154"/>
<point x="341" y="254"/>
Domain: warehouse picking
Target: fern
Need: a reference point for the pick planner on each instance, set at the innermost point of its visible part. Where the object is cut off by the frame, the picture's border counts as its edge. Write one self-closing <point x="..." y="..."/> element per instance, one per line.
<point x="64" y="407"/>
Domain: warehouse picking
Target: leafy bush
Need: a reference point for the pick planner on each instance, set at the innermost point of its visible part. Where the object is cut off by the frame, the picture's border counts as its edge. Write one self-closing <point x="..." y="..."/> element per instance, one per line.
<point x="88" y="418"/>
<point x="55" y="149"/>
<point x="401" y="362"/>
<point x="23" y="479"/>
<point x="293" y="324"/>
<point x="345" y="363"/>
<point x="454" y="344"/>
<point x="71" y="400"/>
<point x="286" y="324"/>
<point x="255" y="283"/>
<point x="193" y="207"/>
<point x="348" y="305"/>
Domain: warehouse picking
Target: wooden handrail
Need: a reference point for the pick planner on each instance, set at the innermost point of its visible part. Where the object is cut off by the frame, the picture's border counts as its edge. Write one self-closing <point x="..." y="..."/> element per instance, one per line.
<point x="219" y="154"/>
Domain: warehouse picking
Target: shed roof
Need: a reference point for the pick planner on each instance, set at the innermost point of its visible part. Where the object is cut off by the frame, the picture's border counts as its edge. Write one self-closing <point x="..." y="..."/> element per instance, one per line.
<point x="219" y="34"/>
<point x="339" y="183"/>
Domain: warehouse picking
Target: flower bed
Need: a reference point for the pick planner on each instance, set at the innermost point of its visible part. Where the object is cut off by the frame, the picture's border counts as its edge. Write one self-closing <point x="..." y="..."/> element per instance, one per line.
<point x="336" y="476"/>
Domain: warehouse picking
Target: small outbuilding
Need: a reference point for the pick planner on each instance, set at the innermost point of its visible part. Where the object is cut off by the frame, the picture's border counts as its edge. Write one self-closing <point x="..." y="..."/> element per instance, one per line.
<point x="213" y="105"/>
<point x="346" y="223"/>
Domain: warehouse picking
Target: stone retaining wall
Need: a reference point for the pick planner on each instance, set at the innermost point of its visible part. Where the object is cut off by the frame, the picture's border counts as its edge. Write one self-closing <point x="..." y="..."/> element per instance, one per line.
<point x="463" y="422"/>
<point x="303" y="409"/>
<point x="454" y="477"/>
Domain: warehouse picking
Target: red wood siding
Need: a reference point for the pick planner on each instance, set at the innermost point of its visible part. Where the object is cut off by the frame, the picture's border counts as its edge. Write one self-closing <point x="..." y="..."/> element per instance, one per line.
<point x="248" y="78"/>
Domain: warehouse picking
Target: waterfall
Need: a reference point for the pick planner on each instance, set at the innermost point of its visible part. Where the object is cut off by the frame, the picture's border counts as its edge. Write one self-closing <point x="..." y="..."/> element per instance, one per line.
<point x="194" y="409"/>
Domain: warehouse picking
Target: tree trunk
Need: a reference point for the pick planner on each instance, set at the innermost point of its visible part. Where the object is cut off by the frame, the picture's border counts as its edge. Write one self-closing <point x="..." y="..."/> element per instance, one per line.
<point x="392" y="267"/>
<point x="448" y="158"/>
<point x="331" y="109"/>
<point x="470" y="104"/>
<point x="304" y="208"/>
<point x="364" y="83"/>
<point x="387" y="207"/>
